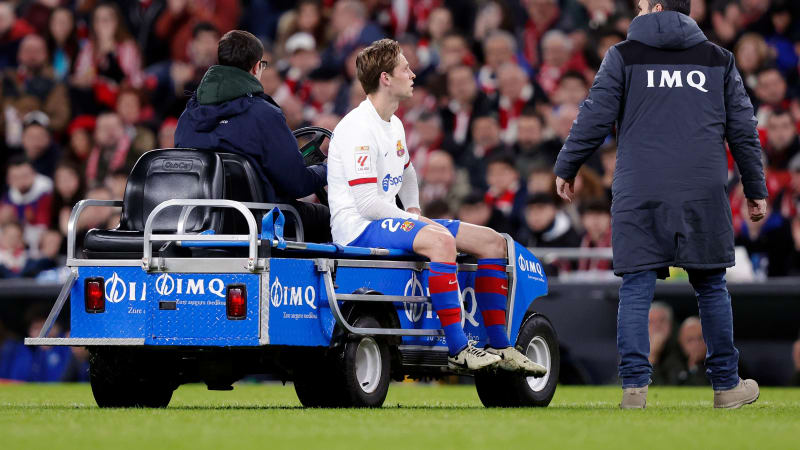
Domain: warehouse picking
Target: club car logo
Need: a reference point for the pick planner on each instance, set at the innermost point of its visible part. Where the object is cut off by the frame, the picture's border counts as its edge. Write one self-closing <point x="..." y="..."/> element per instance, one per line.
<point x="166" y="285"/>
<point x="178" y="165"/>
<point x="280" y="295"/>
<point x="417" y="311"/>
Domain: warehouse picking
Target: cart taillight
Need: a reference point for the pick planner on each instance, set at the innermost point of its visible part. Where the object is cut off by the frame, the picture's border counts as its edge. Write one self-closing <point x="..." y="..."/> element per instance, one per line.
<point x="236" y="302"/>
<point x="94" y="295"/>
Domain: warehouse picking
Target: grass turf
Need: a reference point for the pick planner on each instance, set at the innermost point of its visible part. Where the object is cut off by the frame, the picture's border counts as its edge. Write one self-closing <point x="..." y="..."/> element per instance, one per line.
<point x="414" y="417"/>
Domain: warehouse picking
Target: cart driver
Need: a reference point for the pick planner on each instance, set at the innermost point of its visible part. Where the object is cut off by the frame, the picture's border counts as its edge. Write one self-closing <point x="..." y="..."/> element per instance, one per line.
<point x="368" y="165"/>
<point x="230" y="112"/>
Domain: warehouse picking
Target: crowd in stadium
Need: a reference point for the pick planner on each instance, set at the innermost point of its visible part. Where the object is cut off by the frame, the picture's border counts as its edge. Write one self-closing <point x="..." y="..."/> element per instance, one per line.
<point x="89" y="86"/>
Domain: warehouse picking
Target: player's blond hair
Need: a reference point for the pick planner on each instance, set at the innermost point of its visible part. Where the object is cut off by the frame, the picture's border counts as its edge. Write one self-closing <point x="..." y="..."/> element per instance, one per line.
<point x="372" y="61"/>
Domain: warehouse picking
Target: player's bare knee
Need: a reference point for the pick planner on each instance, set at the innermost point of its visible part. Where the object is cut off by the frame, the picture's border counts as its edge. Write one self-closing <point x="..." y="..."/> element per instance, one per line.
<point x="495" y="246"/>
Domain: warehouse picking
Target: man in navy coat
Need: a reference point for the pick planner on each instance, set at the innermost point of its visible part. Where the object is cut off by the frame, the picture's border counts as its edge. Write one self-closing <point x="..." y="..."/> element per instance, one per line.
<point x="230" y="112"/>
<point x="675" y="98"/>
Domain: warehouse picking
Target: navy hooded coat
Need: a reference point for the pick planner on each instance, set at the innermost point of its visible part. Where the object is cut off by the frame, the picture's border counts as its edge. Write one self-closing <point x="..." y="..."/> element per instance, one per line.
<point x="230" y="113"/>
<point x="674" y="97"/>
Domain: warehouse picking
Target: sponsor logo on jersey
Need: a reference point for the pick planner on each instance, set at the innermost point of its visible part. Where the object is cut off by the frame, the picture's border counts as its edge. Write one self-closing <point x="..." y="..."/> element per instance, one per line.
<point x="400" y="150"/>
<point x="407" y="225"/>
<point x="389" y="180"/>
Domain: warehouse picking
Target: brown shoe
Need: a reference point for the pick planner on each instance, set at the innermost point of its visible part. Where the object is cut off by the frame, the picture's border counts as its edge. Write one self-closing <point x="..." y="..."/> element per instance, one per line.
<point x="634" y="398"/>
<point x="744" y="393"/>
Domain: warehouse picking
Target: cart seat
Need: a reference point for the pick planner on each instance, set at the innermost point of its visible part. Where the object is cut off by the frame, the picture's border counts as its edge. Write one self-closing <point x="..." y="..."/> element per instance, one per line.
<point x="161" y="175"/>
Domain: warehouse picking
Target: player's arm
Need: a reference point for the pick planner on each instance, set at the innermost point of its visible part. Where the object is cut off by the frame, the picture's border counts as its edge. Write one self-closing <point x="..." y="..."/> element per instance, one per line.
<point x="360" y="160"/>
<point x="409" y="190"/>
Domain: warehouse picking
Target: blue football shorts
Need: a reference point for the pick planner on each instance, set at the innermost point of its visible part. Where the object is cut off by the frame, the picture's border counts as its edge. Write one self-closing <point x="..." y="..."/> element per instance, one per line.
<point x="397" y="233"/>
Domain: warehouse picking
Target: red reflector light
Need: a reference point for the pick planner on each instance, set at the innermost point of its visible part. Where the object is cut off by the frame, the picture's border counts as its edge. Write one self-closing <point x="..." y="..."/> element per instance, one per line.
<point x="236" y="302"/>
<point x="94" y="295"/>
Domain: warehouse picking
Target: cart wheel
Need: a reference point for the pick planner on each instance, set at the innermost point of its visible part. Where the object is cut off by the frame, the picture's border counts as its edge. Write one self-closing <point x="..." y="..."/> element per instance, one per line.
<point x="120" y="379"/>
<point x="538" y="341"/>
<point x="365" y="368"/>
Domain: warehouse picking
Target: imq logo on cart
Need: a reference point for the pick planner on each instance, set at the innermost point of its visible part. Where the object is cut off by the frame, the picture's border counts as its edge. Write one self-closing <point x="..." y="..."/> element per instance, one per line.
<point x="280" y="295"/>
<point x="167" y="285"/>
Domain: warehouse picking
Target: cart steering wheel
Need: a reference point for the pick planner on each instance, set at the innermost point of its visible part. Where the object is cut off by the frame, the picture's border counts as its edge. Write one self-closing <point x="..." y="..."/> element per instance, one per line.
<point x="312" y="151"/>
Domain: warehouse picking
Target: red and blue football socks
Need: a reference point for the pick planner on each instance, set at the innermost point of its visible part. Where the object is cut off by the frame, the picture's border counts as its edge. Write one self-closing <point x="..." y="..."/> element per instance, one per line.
<point x="491" y="293"/>
<point x="443" y="286"/>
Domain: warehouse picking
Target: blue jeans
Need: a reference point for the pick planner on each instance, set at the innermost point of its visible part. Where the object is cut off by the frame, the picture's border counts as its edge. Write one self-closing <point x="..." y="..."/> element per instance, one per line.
<point x="716" y="316"/>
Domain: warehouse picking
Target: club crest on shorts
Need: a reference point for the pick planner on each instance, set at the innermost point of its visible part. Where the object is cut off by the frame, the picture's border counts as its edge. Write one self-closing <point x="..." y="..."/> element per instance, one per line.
<point x="400" y="149"/>
<point x="407" y="225"/>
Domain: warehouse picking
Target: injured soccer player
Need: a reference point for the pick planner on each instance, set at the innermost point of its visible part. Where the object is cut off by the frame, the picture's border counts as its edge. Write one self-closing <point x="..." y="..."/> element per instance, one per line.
<point x="368" y="165"/>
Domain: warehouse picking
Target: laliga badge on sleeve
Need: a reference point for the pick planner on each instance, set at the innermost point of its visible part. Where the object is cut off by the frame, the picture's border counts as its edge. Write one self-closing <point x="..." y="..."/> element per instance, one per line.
<point x="362" y="159"/>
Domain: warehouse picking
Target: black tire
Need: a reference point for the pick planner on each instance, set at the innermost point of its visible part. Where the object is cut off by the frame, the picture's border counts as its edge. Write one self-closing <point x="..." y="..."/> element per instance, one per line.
<point x="504" y="389"/>
<point x="335" y="381"/>
<point x="124" y="379"/>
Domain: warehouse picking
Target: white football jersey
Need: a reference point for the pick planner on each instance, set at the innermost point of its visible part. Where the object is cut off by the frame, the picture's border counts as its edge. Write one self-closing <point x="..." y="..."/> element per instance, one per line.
<point x="365" y="149"/>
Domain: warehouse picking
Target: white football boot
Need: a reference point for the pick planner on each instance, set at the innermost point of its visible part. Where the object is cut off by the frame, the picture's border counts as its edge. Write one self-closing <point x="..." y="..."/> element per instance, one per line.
<point x="513" y="360"/>
<point x="471" y="358"/>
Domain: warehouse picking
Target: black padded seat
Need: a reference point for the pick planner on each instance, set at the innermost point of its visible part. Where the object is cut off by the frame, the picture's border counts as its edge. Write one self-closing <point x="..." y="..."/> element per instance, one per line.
<point x="161" y="175"/>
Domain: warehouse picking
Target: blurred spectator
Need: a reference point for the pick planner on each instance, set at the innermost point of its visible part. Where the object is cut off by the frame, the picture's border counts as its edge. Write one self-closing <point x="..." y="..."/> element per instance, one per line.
<point x="166" y="134"/>
<point x="62" y="41"/>
<point x="506" y="193"/>
<point x="780" y="29"/>
<point x="424" y="138"/>
<point x="572" y="89"/>
<point x="663" y="342"/>
<point x="499" y="48"/>
<point x="15" y="259"/>
<point x="306" y="18"/>
<point x="768" y="242"/>
<point x="516" y="92"/>
<point x="439" y="24"/>
<point x="475" y="210"/>
<point x="541" y="180"/>
<point x="557" y="50"/>
<point x="34" y="363"/>
<point x="325" y="94"/>
<point x="546" y="225"/>
<point x="559" y="122"/>
<point x="68" y="189"/>
<point x="140" y="18"/>
<point x="115" y="182"/>
<point x="109" y="57"/>
<point x="301" y="49"/>
<point x="528" y="146"/>
<point x="80" y="132"/>
<point x="12" y="30"/>
<point x="782" y="139"/>
<point x="485" y="142"/>
<point x="596" y="221"/>
<point x="608" y="159"/>
<point x="96" y="216"/>
<point x="752" y="54"/>
<point x="33" y="85"/>
<point x="770" y="93"/>
<point x="543" y="15"/>
<point x="688" y="369"/>
<point x="438" y="209"/>
<point x="133" y="116"/>
<point x="465" y="101"/>
<point x="111" y="149"/>
<point x="37" y="143"/>
<point x="441" y="180"/>
<point x="30" y="195"/>
<point x="176" y="24"/>
<point x="171" y="79"/>
<point x="725" y="20"/>
<point x="492" y="15"/>
<point x="350" y="28"/>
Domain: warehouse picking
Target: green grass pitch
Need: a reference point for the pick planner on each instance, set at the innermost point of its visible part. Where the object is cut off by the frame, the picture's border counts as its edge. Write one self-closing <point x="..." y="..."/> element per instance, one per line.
<point x="414" y="417"/>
